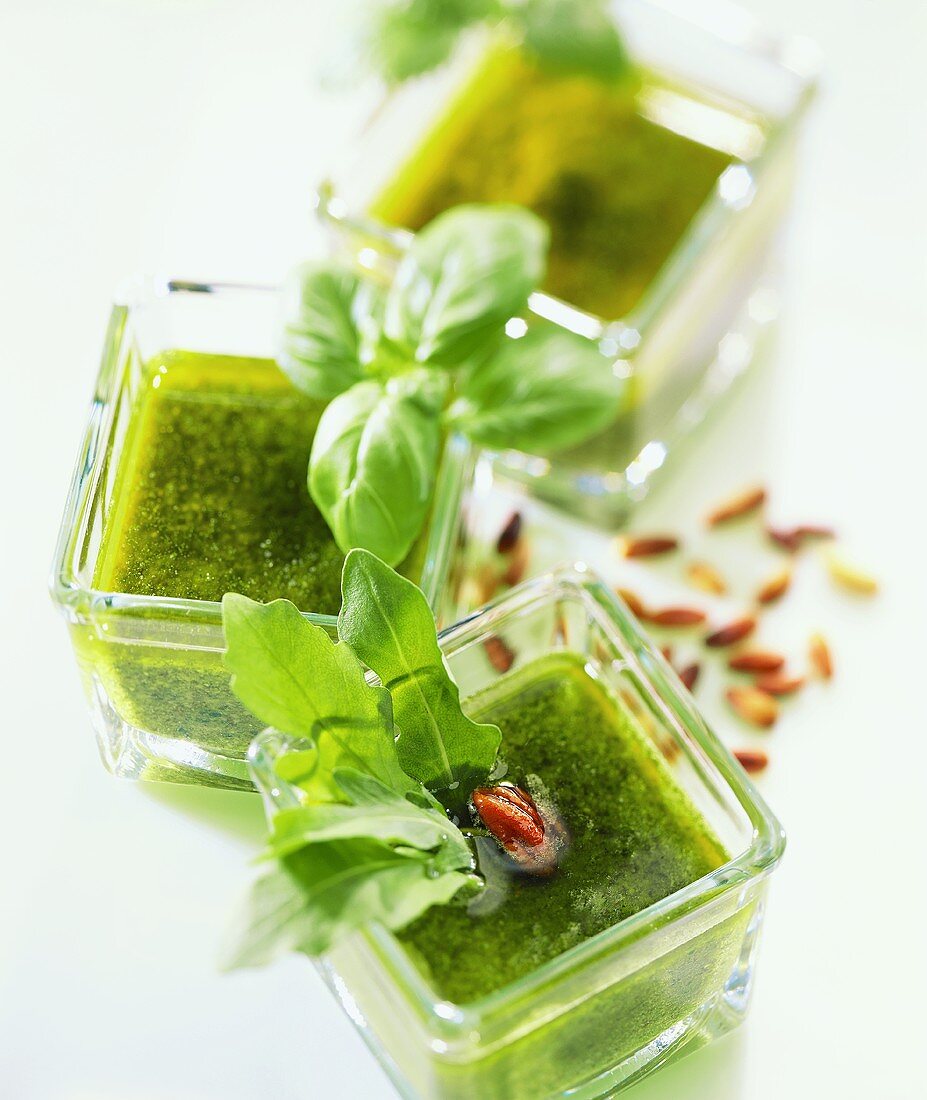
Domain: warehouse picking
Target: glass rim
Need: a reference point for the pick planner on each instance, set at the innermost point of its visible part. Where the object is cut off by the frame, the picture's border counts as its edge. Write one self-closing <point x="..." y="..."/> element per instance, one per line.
<point x="82" y="600"/>
<point x="760" y="856"/>
<point x="792" y="55"/>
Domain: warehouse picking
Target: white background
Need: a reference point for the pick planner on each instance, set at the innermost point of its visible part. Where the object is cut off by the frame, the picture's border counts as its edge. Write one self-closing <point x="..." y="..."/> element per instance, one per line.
<point x="182" y="136"/>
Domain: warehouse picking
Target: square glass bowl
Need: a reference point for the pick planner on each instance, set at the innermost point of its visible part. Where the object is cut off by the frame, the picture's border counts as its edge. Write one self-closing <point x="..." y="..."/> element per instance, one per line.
<point x="659" y="983"/>
<point x="152" y="666"/>
<point x="708" y="74"/>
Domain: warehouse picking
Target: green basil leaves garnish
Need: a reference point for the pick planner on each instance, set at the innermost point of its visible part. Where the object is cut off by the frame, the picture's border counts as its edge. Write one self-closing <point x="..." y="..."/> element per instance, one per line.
<point x="573" y="36"/>
<point x="327" y="309"/>
<point x="464" y="275"/>
<point x="405" y="38"/>
<point x="402" y="367"/>
<point x="373" y="463"/>
<point x="402" y="39"/>
<point x="373" y="810"/>
<point x="503" y="405"/>
<point x="316" y="895"/>
<point x="291" y="675"/>
<point x="371" y="841"/>
<point x="387" y="622"/>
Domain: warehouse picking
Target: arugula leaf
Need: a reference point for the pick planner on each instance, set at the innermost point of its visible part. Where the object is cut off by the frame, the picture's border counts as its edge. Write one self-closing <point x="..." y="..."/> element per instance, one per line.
<point x="321" y="892"/>
<point x="369" y="843"/>
<point x="573" y="36"/>
<point x="386" y="620"/>
<point x="372" y="466"/>
<point x="464" y="275"/>
<point x="328" y="312"/>
<point x="377" y="812"/>
<point x="291" y="675"/>
<point x="547" y="390"/>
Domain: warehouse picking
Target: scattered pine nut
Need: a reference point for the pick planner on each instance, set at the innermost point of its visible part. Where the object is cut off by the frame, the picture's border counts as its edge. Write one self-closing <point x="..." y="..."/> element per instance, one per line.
<point x="501" y="655"/>
<point x="689" y="675"/>
<point x="821" y="659"/>
<point x="670" y="748"/>
<point x="756" y="660"/>
<point x="646" y="546"/>
<point x="778" y="683"/>
<point x="814" y="531"/>
<point x="785" y="538"/>
<point x="751" y="760"/>
<point x="850" y="576"/>
<point x="707" y="578"/>
<point x="792" y="538"/>
<point x="676" y="616"/>
<point x="635" y="605"/>
<point x="753" y="705"/>
<point x="667" y="652"/>
<point x="740" y="504"/>
<point x="731" y="632"/>
<point x="480" y="587"/>
<point x="775" y="586"/>
<point x="519" y="559"/>
<point x="510" y="534"/>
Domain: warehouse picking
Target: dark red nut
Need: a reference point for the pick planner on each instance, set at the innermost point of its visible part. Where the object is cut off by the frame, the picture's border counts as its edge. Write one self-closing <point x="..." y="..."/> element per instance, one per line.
<point x="533" y="840"/>
<point x="510" y="534"/>
<point x="689" y="675"/>
<point x="731" y="633"/>
<point x="500" y="653"/>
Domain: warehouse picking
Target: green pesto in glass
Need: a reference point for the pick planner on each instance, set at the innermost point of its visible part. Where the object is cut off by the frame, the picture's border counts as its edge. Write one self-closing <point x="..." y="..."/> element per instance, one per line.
<point x="617" y="189"/>
<point x="212" y="494"/>
<point x="635" y="836"/>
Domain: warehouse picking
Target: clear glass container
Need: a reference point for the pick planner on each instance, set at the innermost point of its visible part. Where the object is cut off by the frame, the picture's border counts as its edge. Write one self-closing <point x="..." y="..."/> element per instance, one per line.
<point x="657" y="984"/>
<point x="708" y="74"/>
<point x="152" y="665"/>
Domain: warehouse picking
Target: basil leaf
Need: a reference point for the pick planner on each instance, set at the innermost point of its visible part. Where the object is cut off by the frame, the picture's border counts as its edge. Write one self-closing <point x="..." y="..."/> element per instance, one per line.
<point x="386" y="620"/>
<point x="405" y="39"/>
<point x="464" y="275"/>
<point x="324" y="891"/>
<point x="408" y="37"/>
<point x="547" y="390"/>
<point x="328" y="316"/>
<point x="377" y="812"/>
<point x="372" y="466"/>
<point x="573" y="36"/>
<point x="291" y="675"/>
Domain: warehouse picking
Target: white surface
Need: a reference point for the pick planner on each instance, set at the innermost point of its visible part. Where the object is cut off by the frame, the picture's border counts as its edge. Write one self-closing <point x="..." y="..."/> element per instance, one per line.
<point x="155" y="134"/>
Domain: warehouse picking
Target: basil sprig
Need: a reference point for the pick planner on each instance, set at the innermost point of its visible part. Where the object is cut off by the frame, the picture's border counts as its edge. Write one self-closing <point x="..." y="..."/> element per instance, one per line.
<point x="373" y="464"/>
<point x="405" y="38"/>
<point x="402" y="367"/>
<point x="463" y="277"/>
<point x="379" y="766"/>
<point x="573" y="36"/>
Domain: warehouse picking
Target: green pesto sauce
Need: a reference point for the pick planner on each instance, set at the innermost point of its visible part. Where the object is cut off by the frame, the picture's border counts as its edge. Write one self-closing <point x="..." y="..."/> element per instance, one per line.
<point x="635" y="837"/>
<point x="616" y="189"/>
<point x="212" y="495"/>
